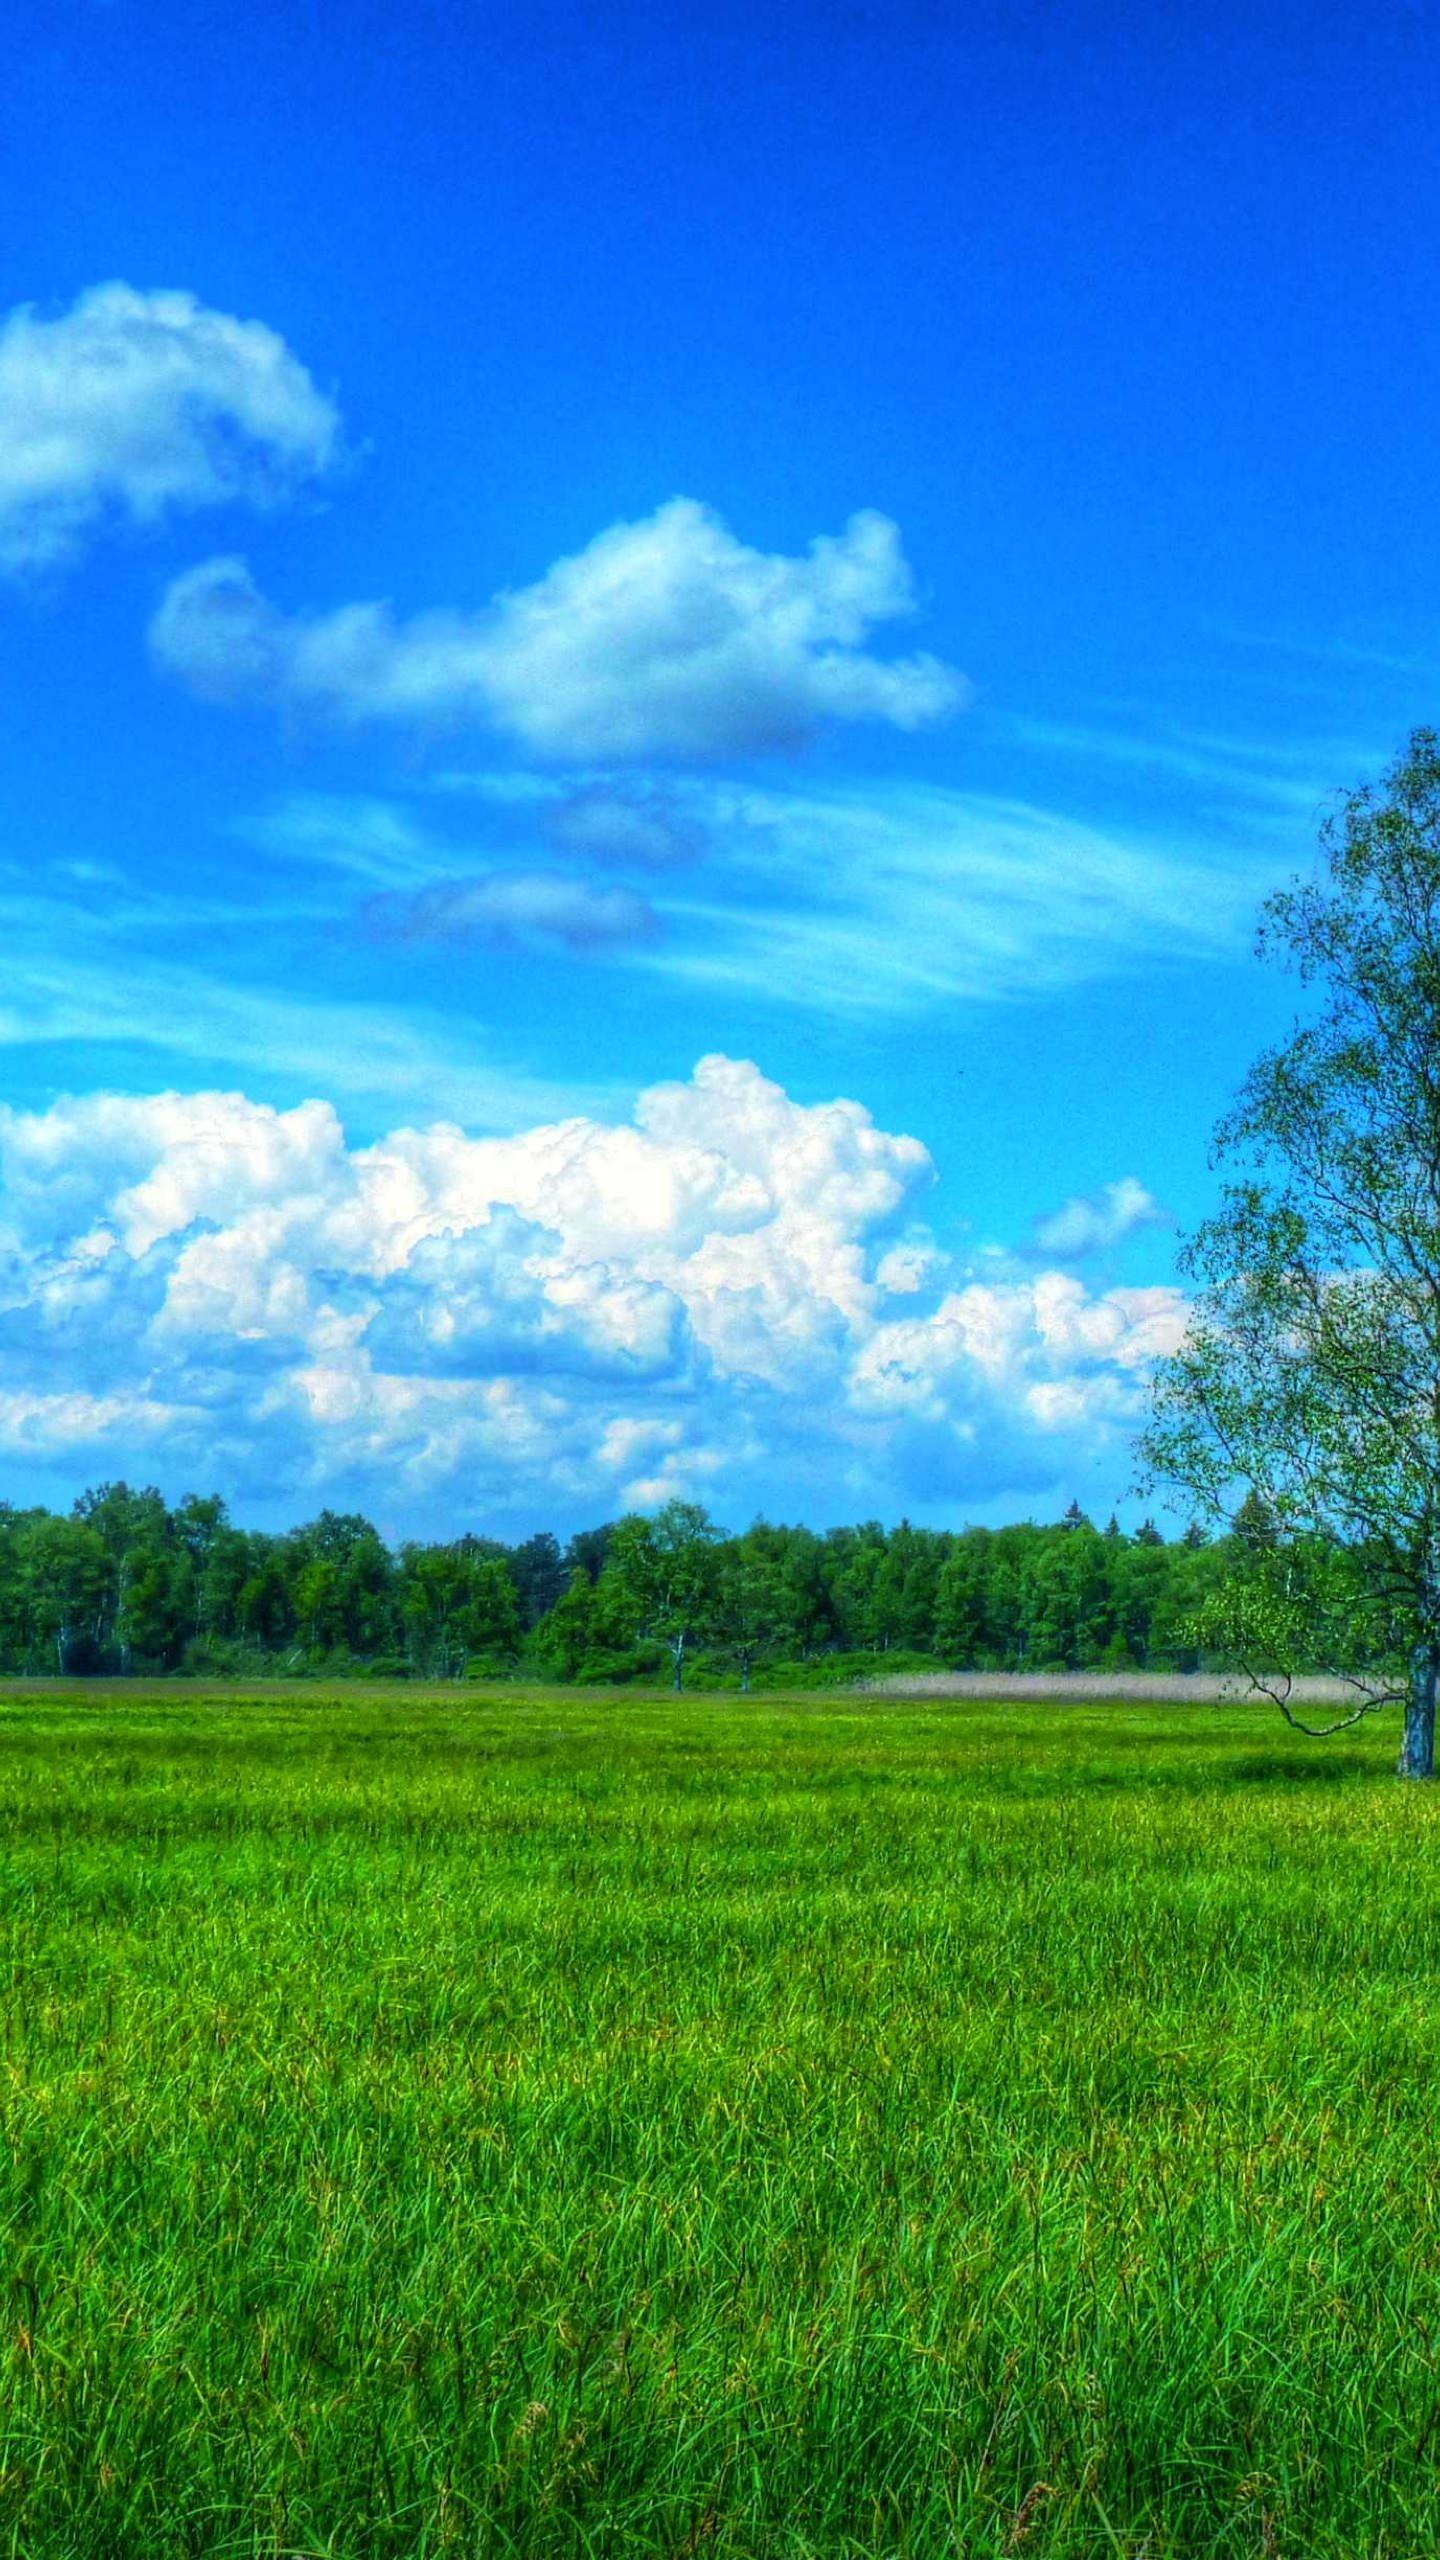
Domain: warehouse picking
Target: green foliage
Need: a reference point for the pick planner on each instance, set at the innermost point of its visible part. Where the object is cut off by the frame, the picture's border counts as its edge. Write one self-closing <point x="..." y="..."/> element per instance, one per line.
<point x="843" y="1670"/>
<point x="663" y="1576"/>
<point x="124" y="1584"/>
<point x="1309" y="1381"/>
<point x="482" y="2123"/>
<point x="589" y="1635"/>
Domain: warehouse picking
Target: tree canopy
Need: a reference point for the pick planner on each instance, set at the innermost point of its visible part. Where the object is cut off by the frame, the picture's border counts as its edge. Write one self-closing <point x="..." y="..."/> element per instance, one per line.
<point x="125" y="1582"/>
<point x="1305" y="1400"/>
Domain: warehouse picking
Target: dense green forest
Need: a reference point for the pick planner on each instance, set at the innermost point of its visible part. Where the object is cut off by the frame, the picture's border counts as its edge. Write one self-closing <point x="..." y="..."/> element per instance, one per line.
<point x="127" y="1583"/>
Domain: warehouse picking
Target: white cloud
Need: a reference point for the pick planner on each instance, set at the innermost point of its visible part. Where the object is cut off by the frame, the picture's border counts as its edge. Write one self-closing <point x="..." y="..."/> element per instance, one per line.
<point x="137" y="405"/>
<point x="122" y="967"/>
<point x="1058" y="1355"/>
<point x="1093" y="1221"/>
<point x="710" y="1296"/>
<point x="645" y="827"/>
<point x="661" y="638"/>
<point x="517" y="910"/>
<point x="871" y="898"/>
<point x="898" y="898"/>
<point x="909" y="1266"/>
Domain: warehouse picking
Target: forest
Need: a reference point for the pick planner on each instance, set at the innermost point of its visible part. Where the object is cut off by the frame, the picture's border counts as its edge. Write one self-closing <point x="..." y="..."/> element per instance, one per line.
<point x="125" y="1583"/>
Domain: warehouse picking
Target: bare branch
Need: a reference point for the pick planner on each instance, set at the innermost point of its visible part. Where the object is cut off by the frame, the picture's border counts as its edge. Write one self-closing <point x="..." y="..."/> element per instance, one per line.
<point x="1280" y="1697"/>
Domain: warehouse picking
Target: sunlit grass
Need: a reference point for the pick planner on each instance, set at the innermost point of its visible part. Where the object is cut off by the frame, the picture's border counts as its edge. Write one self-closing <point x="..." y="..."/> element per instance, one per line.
<point x="555" y="2124"/>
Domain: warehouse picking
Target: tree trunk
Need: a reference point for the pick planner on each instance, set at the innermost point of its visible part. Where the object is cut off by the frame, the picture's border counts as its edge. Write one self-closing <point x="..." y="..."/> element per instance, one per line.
<point x="1417" y="1747"/>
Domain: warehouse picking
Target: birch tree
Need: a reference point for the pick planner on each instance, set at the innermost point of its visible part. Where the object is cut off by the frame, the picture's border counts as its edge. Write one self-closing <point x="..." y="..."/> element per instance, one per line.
<point x="1309" y="1380"/>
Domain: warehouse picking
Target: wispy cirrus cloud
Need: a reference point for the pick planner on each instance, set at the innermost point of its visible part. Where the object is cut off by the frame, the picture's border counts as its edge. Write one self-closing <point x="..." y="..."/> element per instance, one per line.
<point x="134" y="406"/>
<point x="1260" y="781"/>
<point x="862" y="898"/>
<point x="103" y="978"/>
<point x="897" y="898"/>
<point x="662" y="638"/>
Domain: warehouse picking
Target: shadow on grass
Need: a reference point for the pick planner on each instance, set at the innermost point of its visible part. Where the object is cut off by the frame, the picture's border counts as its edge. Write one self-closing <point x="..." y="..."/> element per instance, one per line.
<point x="1315" y="1768"/>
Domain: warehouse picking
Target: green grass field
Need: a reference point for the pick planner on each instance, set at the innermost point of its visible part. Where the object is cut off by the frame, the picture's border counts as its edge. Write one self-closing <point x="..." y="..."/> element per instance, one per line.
<point x="557" y="2124"/>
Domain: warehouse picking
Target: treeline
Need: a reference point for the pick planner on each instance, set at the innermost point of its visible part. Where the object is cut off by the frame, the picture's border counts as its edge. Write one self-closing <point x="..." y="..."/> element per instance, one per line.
<point x="126" y="1583"/>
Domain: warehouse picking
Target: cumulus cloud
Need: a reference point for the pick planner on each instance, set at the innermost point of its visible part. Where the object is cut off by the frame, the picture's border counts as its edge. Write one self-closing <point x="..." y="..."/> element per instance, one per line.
<point x="517" y="910"/>
<point x="133" y="406"/>
<point x="504" y="1300"/>
<point x="1095" y="1220"/>
<point x="725" y="1293"/>
<point x="1066" y="1358"/>
<point x="666" y="637"/>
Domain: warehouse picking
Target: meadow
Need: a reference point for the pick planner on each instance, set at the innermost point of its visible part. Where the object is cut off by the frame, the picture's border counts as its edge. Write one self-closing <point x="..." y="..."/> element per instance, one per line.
<point x="558" y="2123"/>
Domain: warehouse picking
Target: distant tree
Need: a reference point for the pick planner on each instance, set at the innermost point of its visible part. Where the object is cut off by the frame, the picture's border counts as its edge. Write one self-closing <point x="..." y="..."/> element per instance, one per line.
<point x="915" y="1559"/>
<point x="753" y="1609"/>
<point x="864" y="1593"/>
<point x="366" y="1594"/>
<point x="539" y="1573"/>
<point x="316" y="1594"/>
<point x="123" y="1582"/>
<point x="587" y="1550"/>
<point x="1008" y="1592"/>
<point x="124" y="1517"/>
<point x="1183" y="1630"/>
<point x="434" y="1592"/>
<point x="1067" y="1593"/>
<point x="200" y="1525"/>
<point x="66" y="1593"/>
<point x="198" y="1521"/>
<point x="964" y="1629"/>
<point x="491" y="1623"/>
<point x="667" y="1569"/>
<point x="154" y="1604"/>
<point x="565" y="1636"/>
<point x="1255" y="1526"/>
<point x="335" y="1534"/>
<point x="1141" y="1573"/>
<point x="805" y="1566"/>
<point x="1309" y="1378"/>
<point x="264" y="1614"/>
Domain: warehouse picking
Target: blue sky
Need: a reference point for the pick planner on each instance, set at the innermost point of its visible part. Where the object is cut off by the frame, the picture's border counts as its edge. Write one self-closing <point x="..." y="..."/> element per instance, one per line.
<point x="541" y="548"/>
